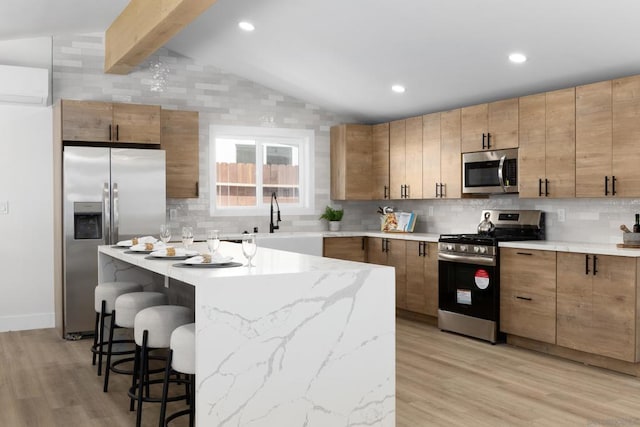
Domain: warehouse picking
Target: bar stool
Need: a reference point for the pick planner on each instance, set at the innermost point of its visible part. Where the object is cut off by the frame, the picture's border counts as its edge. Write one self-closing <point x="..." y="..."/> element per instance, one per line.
<point x="182" y="360"/>
<point x="126" y="307"/>
<point x="105" y="295"/>
<point x="152" y="330"/>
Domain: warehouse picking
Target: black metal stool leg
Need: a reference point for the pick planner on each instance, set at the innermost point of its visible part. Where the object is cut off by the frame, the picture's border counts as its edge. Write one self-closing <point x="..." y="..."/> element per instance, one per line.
<point x="143" y="366"/>
<point x="134" y="377"/>
<point x="95" y="339"/>
<point x="101" y="342"/>
<point x="192" y="401"/>
<point x="165" y="389"/>
<point x="107" y="368"/>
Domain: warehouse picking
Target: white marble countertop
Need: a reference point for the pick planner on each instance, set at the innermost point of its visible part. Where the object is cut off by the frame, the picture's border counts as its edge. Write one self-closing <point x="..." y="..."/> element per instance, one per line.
<point x="423" y="237"/>
<point x="558" y="246"/>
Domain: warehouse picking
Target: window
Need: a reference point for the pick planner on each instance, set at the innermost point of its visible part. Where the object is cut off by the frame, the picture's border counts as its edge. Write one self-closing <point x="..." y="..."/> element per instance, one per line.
<point x="249" y="164"/>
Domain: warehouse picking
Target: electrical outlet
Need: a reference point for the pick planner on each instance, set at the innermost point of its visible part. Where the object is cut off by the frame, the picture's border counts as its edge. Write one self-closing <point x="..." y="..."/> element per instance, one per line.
<point x="430" y="210"/>
<point x="561" y="215"/>
<point x="173" y="214"/>
<point x="4" y="207"/>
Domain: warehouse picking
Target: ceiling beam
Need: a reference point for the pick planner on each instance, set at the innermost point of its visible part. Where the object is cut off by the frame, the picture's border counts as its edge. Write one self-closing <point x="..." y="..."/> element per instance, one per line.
<point x="143" y="27"/>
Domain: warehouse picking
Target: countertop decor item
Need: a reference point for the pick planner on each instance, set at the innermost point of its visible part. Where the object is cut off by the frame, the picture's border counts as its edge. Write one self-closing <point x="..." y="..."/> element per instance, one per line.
<point x="334" y="216"/>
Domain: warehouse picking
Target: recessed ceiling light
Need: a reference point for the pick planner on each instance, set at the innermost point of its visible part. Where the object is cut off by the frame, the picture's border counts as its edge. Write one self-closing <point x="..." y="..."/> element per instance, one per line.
<point x="398" y="88"/>
<point x="518" y="58"/>
<point x="246" y="26"/>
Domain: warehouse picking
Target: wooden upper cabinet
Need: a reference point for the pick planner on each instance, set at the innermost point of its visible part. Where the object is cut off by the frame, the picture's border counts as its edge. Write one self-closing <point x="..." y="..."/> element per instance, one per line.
<point x="87" y="121"/>
<point x="546" y="165"/>
<point x="93" y="121"/>
<point x="397" y="150"/>
<point x="380" y="149"/>
<point x="179" y="138"/>
<point x="528" y="293"/>
<point x="626" y="136"/>
<point x="136" y="123"/>
<point x="492" y="126"/>
<point x="450" y="156"/>
<point x="351" y="161"/>
<point x="594" y="119"/>
<point x="413" y="158"/>
<point x="431" y="156"/>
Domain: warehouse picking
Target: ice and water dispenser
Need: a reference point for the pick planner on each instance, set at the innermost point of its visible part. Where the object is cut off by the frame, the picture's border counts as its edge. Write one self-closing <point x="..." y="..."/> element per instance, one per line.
<point x="87" y="220"/>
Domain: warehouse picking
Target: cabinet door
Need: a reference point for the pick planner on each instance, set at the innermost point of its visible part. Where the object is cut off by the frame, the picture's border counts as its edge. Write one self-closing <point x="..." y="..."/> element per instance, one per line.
<point x="531" y="153"/>
<point x="86" y="121"/>
<point x="376" y="253"/>
<point x="575" y="303"/>
<point x="380" y="150"/>
<point x="397" y="258"/>
<point x="431" y="279"/>
<point x="351" y="161"/>
<point x="528" y="293"/>
<point x="347" y="248"/>
<point x="413" y="158"/>
<point x="450" y="157"/>
<point x="474" y="124"/>
<point x="613" y="324"/>
<point x="626" y="134"/>
<point x="593" y="139"/>
<point x="430" y="155"/>
<point x="416" y="289"/>
<point x="503" y="124"/>
<point x="179" y="138"/>
<point x="397" y="157"/>
<point x="136" y="123"/>
<point x="561" y="143"/>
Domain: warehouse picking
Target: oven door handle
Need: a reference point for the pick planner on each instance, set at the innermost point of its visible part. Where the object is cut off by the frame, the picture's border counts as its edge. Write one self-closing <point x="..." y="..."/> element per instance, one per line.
<point x="467" y="259"/>
<point x="501" y="173"/>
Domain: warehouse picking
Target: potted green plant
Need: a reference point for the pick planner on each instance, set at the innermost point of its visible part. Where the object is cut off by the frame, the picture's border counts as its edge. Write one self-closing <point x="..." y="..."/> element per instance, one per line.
<point x="334" y="216"/>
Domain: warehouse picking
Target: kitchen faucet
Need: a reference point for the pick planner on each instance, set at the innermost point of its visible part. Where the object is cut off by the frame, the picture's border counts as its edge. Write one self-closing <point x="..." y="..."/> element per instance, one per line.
<point x="275" y="226"/>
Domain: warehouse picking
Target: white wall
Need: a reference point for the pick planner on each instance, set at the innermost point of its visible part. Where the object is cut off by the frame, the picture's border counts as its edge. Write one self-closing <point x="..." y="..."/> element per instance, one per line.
<point x="26" y="232"/>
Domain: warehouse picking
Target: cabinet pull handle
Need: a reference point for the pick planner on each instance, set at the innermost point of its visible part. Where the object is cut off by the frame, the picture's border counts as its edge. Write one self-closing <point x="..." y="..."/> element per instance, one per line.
<point x="437" y="186"/>
<point x="488" y="141"/>
<point x="586" y="264"/>
<point x="386" y="192"/>
<point x="442" y="190"/>
<point x="386" y="245"/>
<point x="483" y="144"/>
<point x="606" y="185"/>
<point x="197" y="188"/>
<point x="110" y="136"/>
<point x="524" y="253"/>
<point x="117" y="132"/>
<point x="539" y="187"/>
<point x="523" y="298"/>
<point x="613" y="185"/>
<point x="363" y="243"/>
<point x="382" y="245"/>
<point x="595" y="264"/>
<point x="546" y="187"/>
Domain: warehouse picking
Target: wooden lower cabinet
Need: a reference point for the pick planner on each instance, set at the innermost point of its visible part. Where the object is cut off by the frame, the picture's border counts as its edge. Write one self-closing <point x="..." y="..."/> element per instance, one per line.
<point x="422" y="277"/>
<point x="597" y="304"/>
<point x="391" y="252"/>
<point x="347" y="248"/>
<point x="528" y="293"/>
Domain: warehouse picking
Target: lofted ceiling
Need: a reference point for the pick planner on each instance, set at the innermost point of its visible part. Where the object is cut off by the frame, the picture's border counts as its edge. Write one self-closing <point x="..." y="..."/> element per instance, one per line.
<point x="344" y="55"/>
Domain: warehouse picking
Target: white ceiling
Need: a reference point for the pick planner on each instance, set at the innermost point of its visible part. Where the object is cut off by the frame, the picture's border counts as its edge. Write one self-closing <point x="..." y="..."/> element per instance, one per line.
<point x="344" y="55"/>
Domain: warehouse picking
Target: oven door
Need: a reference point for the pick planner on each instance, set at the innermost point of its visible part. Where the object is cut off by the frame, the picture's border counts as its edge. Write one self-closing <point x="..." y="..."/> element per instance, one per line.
<point x="469" y="289"/>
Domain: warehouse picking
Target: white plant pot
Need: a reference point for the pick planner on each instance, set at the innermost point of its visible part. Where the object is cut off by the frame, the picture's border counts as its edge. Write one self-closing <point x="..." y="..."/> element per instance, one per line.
<point x="334" y="225"/>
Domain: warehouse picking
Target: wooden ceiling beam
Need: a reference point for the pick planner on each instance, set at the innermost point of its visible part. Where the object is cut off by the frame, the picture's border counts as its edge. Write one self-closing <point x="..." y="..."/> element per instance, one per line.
<point x="143" y="27"/>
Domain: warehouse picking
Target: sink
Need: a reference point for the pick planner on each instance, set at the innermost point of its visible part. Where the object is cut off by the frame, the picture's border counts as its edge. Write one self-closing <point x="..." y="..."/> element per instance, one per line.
<point x="300" y="242"/>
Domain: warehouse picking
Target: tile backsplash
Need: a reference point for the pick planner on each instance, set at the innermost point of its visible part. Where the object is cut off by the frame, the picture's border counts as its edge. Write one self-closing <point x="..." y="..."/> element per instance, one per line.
<point x="176" y="82"/>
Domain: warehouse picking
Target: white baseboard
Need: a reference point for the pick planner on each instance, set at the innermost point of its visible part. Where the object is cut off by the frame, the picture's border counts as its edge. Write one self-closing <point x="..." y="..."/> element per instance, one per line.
<point x="27" y="321"/>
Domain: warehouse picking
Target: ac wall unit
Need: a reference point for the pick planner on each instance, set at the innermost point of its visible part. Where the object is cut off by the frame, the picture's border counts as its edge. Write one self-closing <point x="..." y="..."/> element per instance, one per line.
<point x="24" y="85"/>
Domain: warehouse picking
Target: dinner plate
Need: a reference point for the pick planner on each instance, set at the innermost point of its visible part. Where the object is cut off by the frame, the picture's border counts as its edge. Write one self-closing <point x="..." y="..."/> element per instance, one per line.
<point x="180" y="254"/>
<point x="173" y="258"/>
<point x="137" y="252"/>
<point x="218" y="260"/>
<point x="211" y="265"/>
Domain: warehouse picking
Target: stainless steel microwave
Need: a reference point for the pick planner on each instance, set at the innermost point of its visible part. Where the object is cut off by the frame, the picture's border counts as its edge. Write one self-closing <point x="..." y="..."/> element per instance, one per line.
<point x="490" y="172"/>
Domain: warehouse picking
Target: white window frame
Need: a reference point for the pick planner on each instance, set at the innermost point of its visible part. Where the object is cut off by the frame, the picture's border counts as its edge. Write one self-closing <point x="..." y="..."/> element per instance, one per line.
<point x="306" y="150"/>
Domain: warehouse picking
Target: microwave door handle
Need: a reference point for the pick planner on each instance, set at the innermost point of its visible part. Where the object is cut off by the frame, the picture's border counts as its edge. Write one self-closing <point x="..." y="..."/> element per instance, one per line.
<point x="500" y="173"/>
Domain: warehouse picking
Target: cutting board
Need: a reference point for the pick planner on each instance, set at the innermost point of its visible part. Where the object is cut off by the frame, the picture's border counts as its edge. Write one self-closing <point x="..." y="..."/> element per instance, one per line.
<point x="628" y="246"/>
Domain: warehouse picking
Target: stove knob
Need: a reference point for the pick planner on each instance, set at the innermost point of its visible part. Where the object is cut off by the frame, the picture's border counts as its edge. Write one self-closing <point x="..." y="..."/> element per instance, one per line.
<point x="476" y="249"/>
<point x="450" y="247"/>
<point x="463" y="248"/>
<point x="483" y="250"/>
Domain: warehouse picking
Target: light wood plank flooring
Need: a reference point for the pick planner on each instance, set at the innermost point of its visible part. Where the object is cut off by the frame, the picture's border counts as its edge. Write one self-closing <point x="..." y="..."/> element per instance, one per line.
<point x="442" y="380"/>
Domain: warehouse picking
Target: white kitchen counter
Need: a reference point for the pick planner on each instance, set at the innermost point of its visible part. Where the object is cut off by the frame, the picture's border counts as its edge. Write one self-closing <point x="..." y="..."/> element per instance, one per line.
<point x="590" y="248"/>
<point x="296" y="340"/>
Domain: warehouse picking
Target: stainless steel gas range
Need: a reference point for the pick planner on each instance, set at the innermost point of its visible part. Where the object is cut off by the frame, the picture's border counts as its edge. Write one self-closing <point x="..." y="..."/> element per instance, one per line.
<point x="469" y="271"/>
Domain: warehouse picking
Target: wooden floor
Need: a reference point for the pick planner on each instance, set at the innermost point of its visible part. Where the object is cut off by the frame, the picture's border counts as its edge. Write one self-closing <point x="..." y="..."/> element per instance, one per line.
<point x="442" y="380"/>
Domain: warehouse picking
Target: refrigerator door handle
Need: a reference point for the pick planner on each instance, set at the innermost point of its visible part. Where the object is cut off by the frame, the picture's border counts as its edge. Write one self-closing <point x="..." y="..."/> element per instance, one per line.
<point x="116" y="208"/>
<point x="106" y="214"/>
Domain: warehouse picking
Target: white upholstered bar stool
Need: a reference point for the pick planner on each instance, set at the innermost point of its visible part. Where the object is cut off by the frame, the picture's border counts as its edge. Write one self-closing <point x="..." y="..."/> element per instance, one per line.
<point x="105" y="295"/>
<point x="152" y="330"/>
<point x="181" y="359"/>
<point x="125" y="309"/>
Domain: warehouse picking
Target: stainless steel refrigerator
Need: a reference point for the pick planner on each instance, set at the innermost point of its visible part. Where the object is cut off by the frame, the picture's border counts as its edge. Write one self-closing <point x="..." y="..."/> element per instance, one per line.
<point x="110" y="194"/>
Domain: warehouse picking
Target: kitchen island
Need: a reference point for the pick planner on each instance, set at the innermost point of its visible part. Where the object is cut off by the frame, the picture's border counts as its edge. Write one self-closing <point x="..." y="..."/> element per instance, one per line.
<point x="296" y="340"/>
